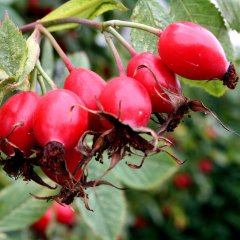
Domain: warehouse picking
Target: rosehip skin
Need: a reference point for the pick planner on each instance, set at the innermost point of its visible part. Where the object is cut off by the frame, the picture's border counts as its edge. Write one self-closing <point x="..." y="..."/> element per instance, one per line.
<point x="192" y="51"/>
<point x="72" y="158"/>
<point x="64" y="214"/>
<point x="59" y="118"/>
<point x="18" y="108"/>
<point x="88" y="86"/>
<point x="42" y="224"/>
<point x="154" y="71"/>
<point x="126" y="98"/>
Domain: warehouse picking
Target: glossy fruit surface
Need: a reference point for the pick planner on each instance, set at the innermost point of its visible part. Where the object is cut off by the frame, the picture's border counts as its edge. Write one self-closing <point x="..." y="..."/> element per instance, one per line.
<point x="64" y="214"/>
<point x="126" y="98"/>
<point x="72" y="158"/>
<point x="153" y="74"/>
<point x="42" y="224"/>
<point x="192" y="51"/>
<point x="59" y="118"/>
<point x="19" y="108"/>
<point x="88" y="86"/>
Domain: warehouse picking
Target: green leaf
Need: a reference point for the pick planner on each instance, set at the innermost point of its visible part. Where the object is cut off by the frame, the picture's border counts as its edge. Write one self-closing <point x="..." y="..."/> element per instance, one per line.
<point x="151" y="13"/>
<point x="32" y="57"/>
<point x="13" y="53"/>
<point x="155" y="170"/>
<point x="230" y="10"/>
<point x="213" y="87"/>
<point x="81" y="9"/>
<point x="108" y="204"/>
<point x="18" y="209"/>
<point x="207" y="15"/>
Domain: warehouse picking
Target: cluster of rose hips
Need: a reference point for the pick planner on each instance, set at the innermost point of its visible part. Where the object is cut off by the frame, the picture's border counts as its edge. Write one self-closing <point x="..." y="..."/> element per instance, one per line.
<point x="51" y="131"/>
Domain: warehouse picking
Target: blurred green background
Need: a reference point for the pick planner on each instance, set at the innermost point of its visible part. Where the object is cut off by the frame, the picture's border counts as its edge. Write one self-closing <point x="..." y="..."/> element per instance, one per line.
<point x="202" y="199"/>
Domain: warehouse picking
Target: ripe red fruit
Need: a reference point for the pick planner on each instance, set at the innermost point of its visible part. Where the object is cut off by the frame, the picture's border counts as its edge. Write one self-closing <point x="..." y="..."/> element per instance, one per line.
<point x="18" y="110"/>
<point x="154" y="71"/>
<point x="205" y="165"/>
<point x="183" y="180"/>
<point x="127" y="99"/>
<point x="192" y="51"/>
<point x="59" y="118"/>
<point x="42" y="224"/>
<point x="72" y="158"/>
<point x="88" y="86"/>
<point x="64" y="214"/>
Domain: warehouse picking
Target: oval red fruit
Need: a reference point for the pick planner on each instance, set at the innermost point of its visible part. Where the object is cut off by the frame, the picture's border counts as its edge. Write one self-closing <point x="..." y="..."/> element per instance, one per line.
<point x="59" y="118"/>
<point x="18" y="111"/>
<point x="127" y="99"/>
<point x="88" y="86"/>
<point x="192" y="51"/>
<point x="156" y="78"/>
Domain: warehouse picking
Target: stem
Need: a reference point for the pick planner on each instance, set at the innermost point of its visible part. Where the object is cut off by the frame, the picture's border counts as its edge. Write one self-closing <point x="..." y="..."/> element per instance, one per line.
<point x="33" y="79"/>
<point x="119" y="23"/>
<point x="42" y="84"/>
<point x="61" y="53"/>
<point x="28" y="27"/>
<point x="116" y="55"/>
<point x="89" y="23"/>
<point x="126" y="44"/>
<point x="49" y="81"/>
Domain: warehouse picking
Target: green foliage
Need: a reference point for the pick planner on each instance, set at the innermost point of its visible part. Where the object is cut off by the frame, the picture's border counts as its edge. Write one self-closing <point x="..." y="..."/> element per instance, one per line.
<point x="155" y="170"/>
<point x="230" y="11"/>
<point x="13" y="53"/>
<point x="152" y="14"/>
<point x="19" y="209"/>
<point x="81" y="9"/>
<point x="108" y="204"/>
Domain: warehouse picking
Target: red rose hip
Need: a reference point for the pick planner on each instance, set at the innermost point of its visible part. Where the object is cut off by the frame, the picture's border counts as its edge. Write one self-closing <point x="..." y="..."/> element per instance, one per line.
<point x="127" y="99"/>
<point x="16" y="116"/>
<point x="88" y="86"/>
<point x="193" y="52"/>
<point x="156" y="78"/>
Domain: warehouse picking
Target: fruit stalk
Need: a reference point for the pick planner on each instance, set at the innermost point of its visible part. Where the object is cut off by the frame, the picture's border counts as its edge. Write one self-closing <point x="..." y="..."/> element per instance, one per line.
<point x="61" y="53"/>
<point x="116" y="55"/>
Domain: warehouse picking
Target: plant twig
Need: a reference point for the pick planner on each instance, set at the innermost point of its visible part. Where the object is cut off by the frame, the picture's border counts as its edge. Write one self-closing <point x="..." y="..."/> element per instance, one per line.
<point x="126" y="44"/>
<point x="49" y="81"/>
<point x="120" y="66"/>
<point x="61" y="53"/>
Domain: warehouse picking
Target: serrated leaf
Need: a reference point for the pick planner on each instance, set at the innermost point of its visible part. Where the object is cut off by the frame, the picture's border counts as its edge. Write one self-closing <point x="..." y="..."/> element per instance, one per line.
<point x="108" y="204"/>
<point x="230" y="10"/>
<point x="18" y="209"/>
<point x="81" y="9"/>
<point x="155" y="170"/>
<point x="13" y="52"/>
<point x="151" y="13"/>
<point x="32" y="57"/>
